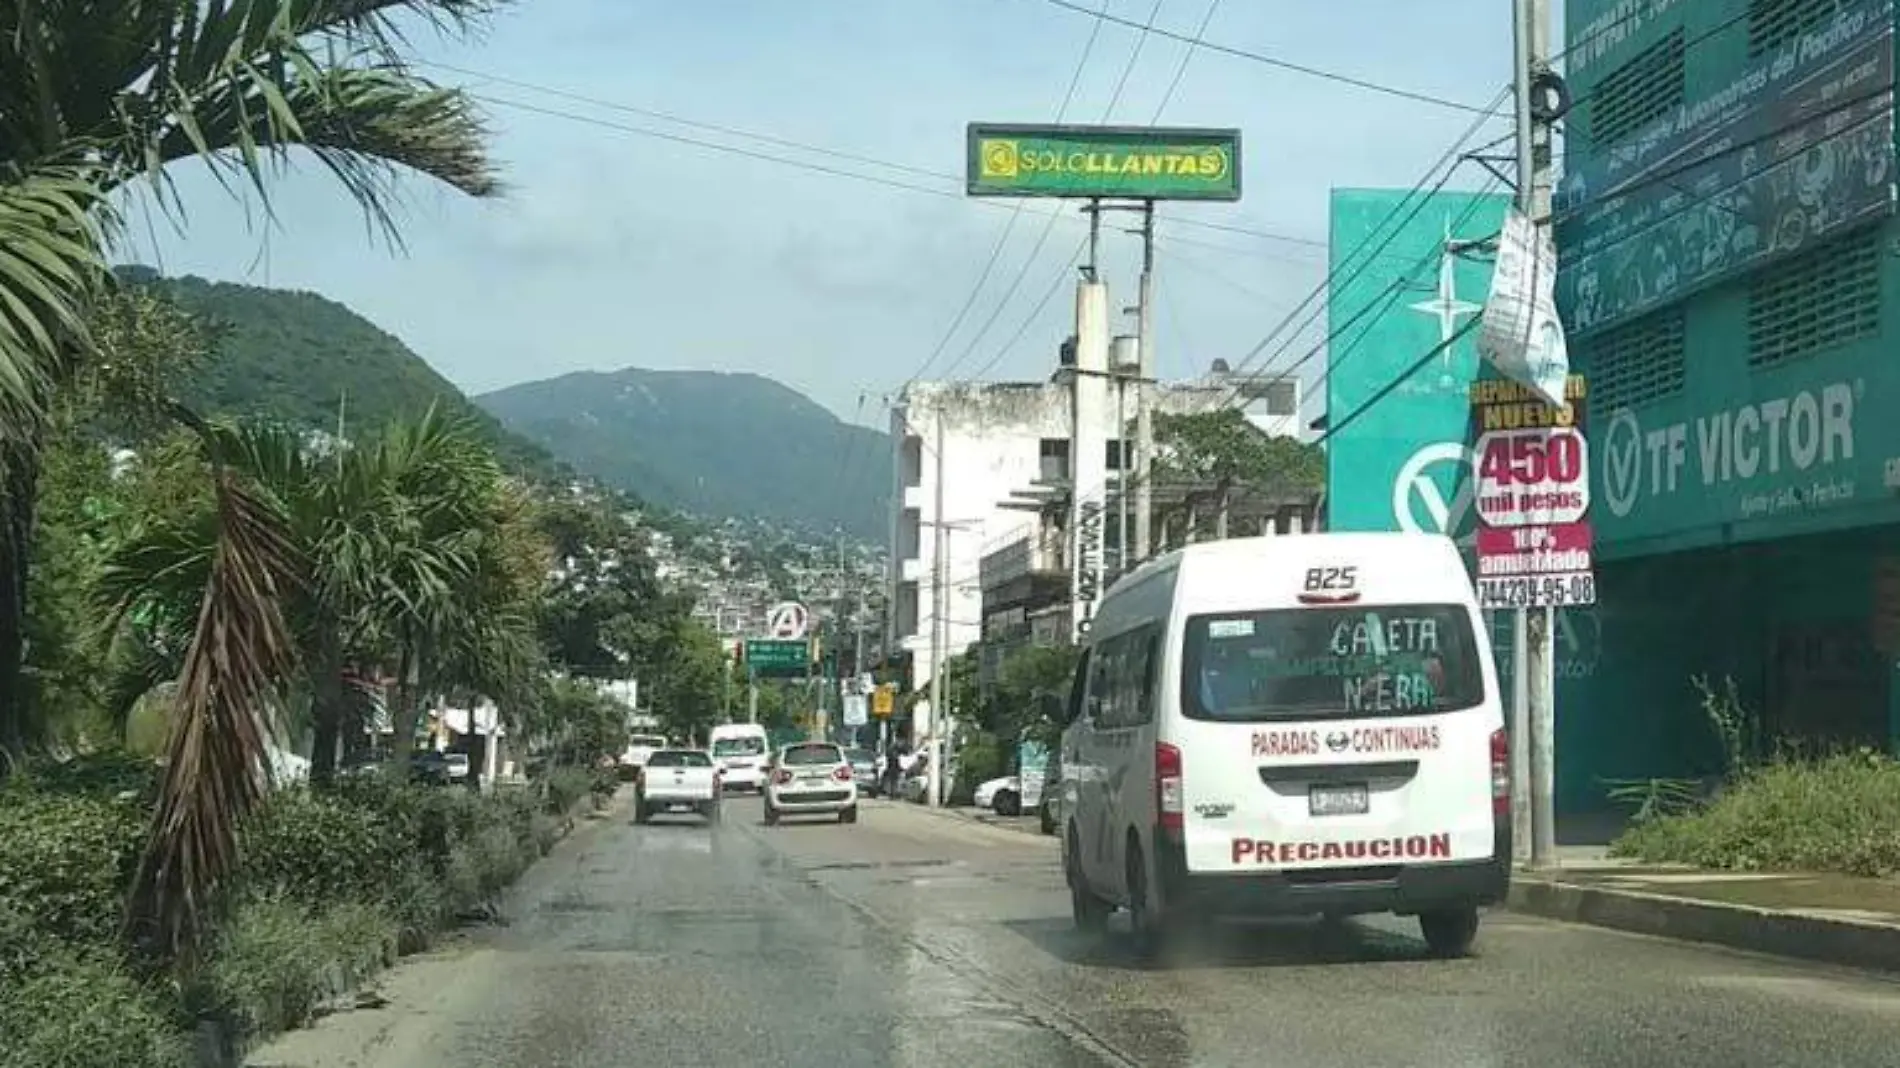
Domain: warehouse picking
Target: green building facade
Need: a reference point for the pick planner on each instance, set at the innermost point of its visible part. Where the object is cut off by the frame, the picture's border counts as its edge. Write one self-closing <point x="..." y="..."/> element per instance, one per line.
<point x="1729" y="280"/>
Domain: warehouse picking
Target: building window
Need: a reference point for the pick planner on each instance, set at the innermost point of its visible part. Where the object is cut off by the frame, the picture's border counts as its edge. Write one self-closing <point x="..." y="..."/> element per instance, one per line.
<point x="1114" y="450"/>
<point x="1283" y="397"/>
<point x="904" y="611"/>
<point x="910" y="460"/>
<point x="1055" y="460"/>
<point x="1636" y="363"/>
<point x="910" y="534"/>
<point x="1638" y="92"/>
<point x="1773" y="23"/>
<point x="1821" y="299"/>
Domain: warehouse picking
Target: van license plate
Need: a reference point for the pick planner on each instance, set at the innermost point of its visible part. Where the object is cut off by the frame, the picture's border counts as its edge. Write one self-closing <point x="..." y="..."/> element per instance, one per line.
<point x="1333" y="800"/>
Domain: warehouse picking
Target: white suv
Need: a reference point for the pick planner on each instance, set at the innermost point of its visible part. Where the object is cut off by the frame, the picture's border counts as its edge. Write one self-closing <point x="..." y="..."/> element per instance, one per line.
<point x="811" y="778"/>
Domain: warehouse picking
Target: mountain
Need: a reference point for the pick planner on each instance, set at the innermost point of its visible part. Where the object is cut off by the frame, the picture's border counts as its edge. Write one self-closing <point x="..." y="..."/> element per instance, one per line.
<point x="307" y="360"/>
<point x="709" y="442"/>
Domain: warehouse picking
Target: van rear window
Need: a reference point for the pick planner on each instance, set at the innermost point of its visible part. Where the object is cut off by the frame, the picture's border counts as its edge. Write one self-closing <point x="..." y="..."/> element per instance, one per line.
<point x="1343" y="662"/>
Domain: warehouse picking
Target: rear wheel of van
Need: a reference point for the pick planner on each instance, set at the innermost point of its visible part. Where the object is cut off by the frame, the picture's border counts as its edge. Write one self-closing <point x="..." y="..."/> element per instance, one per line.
<point x="1148" y="921"/>
<point x="1090" y="912"/>
<point x="1449" y="932"/>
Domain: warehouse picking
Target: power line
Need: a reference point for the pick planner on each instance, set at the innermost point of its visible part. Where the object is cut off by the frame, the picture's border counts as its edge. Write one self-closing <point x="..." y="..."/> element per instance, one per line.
<point x="1447" y="160"/>
<point x="1016" y="213"/>
<point x="1271" y="61"/>
<point x="1180" y="70"/>
<point x="846" y="155"/>
<point x="1049" y="225"/>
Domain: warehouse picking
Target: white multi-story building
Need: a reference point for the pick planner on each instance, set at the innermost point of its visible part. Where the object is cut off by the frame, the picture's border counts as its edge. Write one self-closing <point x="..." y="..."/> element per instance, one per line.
<point x="989" y="441"/>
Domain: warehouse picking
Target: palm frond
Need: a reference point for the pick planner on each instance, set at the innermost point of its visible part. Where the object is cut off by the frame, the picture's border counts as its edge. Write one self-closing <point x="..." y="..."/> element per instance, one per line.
<point x="51" y="263"/>
<point x="229" y="692"/>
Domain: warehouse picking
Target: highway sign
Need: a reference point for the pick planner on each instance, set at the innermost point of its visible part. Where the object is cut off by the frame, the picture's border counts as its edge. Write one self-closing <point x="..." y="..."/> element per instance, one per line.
<point x="788" y="621"/>
<point x="769" y="658"/>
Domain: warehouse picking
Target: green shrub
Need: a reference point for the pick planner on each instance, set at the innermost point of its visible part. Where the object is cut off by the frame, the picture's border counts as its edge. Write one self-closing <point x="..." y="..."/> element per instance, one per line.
<point x="110" y="773"/>
<point x="277" y="962"/>
<point x="1840" y="814"/>
<point x="87" y="1013"/>
<point x="563" y="788"/>
<point x="318" y="848"/>
<point x="65" y="862"/>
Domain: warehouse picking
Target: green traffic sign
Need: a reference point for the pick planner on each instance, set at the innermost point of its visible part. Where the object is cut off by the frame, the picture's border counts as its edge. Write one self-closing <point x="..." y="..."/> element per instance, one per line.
<point x="767" y="656"/>
<point x="1086" y="162"/>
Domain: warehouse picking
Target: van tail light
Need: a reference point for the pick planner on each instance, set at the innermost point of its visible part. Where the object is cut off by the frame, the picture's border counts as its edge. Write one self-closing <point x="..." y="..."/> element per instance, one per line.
<point x="842" y="773"/>
<point x="1501" y="775"/>
<point x="1168" y="786"/>
<point x="782" y="776"/>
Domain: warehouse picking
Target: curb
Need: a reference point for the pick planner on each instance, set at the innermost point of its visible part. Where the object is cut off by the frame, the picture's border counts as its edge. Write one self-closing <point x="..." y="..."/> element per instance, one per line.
<point x="1797" y="935"/>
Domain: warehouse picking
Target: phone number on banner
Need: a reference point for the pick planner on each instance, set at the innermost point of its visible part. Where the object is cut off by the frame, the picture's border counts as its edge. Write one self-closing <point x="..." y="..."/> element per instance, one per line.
<point x="1538" y="591"/>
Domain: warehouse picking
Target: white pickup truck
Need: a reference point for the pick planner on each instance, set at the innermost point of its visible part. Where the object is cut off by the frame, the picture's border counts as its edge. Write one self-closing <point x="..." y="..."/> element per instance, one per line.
<point x="677" y="780"/>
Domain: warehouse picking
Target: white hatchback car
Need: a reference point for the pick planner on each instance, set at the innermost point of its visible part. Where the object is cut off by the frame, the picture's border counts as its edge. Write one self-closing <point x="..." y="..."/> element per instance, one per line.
<point x="811" y="778"/>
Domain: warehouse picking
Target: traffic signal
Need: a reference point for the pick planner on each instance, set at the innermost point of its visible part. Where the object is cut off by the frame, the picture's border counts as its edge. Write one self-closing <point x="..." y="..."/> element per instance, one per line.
<point x="738" y="654"/>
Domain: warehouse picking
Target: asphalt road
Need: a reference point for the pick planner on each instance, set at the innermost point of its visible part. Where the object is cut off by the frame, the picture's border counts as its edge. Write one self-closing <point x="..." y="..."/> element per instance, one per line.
<point x="914" y="939"/>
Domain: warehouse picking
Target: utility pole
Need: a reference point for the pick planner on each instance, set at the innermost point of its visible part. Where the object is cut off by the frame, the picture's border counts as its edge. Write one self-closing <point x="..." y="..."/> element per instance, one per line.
<point x="751" y="693"/>
<point x="939" y="636"/>
<point x="1144" y="408"/>
<point x="1535" y="655"/>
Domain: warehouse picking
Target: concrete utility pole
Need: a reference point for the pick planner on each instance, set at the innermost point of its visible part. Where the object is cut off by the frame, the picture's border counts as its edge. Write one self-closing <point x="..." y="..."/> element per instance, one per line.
<point x="1144" y="407"/>
<point x="1535" y="655"/>
<point x="939" y="633"/>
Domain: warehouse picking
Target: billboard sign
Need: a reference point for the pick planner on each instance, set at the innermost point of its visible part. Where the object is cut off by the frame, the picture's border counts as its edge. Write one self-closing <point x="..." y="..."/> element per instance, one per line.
<point x="1796" y="148"/>
<point x="1399" y="456"/>
<point x="1088" y="162"/>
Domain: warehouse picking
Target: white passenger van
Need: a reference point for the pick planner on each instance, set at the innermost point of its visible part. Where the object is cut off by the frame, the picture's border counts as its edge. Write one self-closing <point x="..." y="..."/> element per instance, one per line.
<point x="1286" y="726"/>
<point x="740" y="749"/>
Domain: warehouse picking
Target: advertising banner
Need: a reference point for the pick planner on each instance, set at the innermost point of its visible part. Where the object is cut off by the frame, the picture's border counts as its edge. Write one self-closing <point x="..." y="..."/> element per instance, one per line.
<point x="1797" y="148"/>
<point x="1532" y="498"/>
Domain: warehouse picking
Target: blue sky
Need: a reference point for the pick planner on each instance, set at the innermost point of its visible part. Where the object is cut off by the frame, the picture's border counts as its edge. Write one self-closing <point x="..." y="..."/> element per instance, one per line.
<point x="614" y="249"/>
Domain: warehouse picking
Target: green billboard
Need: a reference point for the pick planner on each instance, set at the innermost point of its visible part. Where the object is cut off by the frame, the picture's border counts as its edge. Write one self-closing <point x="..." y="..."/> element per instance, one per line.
<point x="1121" y="162"/>
<point x="1397" y="454"/>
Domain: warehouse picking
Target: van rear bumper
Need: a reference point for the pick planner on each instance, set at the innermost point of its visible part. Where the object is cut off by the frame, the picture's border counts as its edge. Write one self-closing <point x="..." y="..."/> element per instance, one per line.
<point x="1404" y="889"/>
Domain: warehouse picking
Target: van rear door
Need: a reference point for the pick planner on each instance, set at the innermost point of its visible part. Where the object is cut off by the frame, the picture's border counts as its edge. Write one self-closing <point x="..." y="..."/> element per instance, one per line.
<point x="1337" y="735"/>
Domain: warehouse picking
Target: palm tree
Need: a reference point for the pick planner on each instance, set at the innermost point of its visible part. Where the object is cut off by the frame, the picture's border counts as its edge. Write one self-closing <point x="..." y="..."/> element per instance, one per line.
<point x="97" y="96"/>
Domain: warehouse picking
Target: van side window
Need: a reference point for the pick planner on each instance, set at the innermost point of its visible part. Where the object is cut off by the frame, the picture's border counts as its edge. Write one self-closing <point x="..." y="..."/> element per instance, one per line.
<point x="1149" y="676"/>
<point x="1124" y="680"/>
<point x="1078" y="686"/>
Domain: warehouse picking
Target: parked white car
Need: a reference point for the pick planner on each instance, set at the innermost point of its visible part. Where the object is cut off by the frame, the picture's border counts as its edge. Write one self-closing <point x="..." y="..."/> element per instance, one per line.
<point x="1002" y="796"/>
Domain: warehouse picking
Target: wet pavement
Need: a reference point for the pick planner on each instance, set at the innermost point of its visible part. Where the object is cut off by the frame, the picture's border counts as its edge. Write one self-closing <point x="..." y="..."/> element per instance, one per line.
<point x="913" y="939"/>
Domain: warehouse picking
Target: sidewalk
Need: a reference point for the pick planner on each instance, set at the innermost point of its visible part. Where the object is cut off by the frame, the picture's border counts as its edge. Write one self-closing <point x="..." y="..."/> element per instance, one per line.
<point x="1029" y="825"/>
<point x="1834" y="919"/>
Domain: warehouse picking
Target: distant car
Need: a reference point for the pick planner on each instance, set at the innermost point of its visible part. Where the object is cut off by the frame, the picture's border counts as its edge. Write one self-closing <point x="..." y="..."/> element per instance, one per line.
<point x="811" y="778"/>
<point x="678" y="780"/>
<point x="457" y="766"/>
<point x="639" y="748"/>
<point x="864" y="770"/>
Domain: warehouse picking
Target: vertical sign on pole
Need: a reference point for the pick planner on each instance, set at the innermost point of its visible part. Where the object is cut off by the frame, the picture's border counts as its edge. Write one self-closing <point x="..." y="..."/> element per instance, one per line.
<point x="1532" y="498"/>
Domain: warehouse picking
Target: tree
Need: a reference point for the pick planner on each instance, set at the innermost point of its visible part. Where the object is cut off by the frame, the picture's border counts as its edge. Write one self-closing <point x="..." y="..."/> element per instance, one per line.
<point x="413" y="561"/>
<point x="1029" y="682"/>
<point x="100" y="95"/>
<point x="1222" y="447"/>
